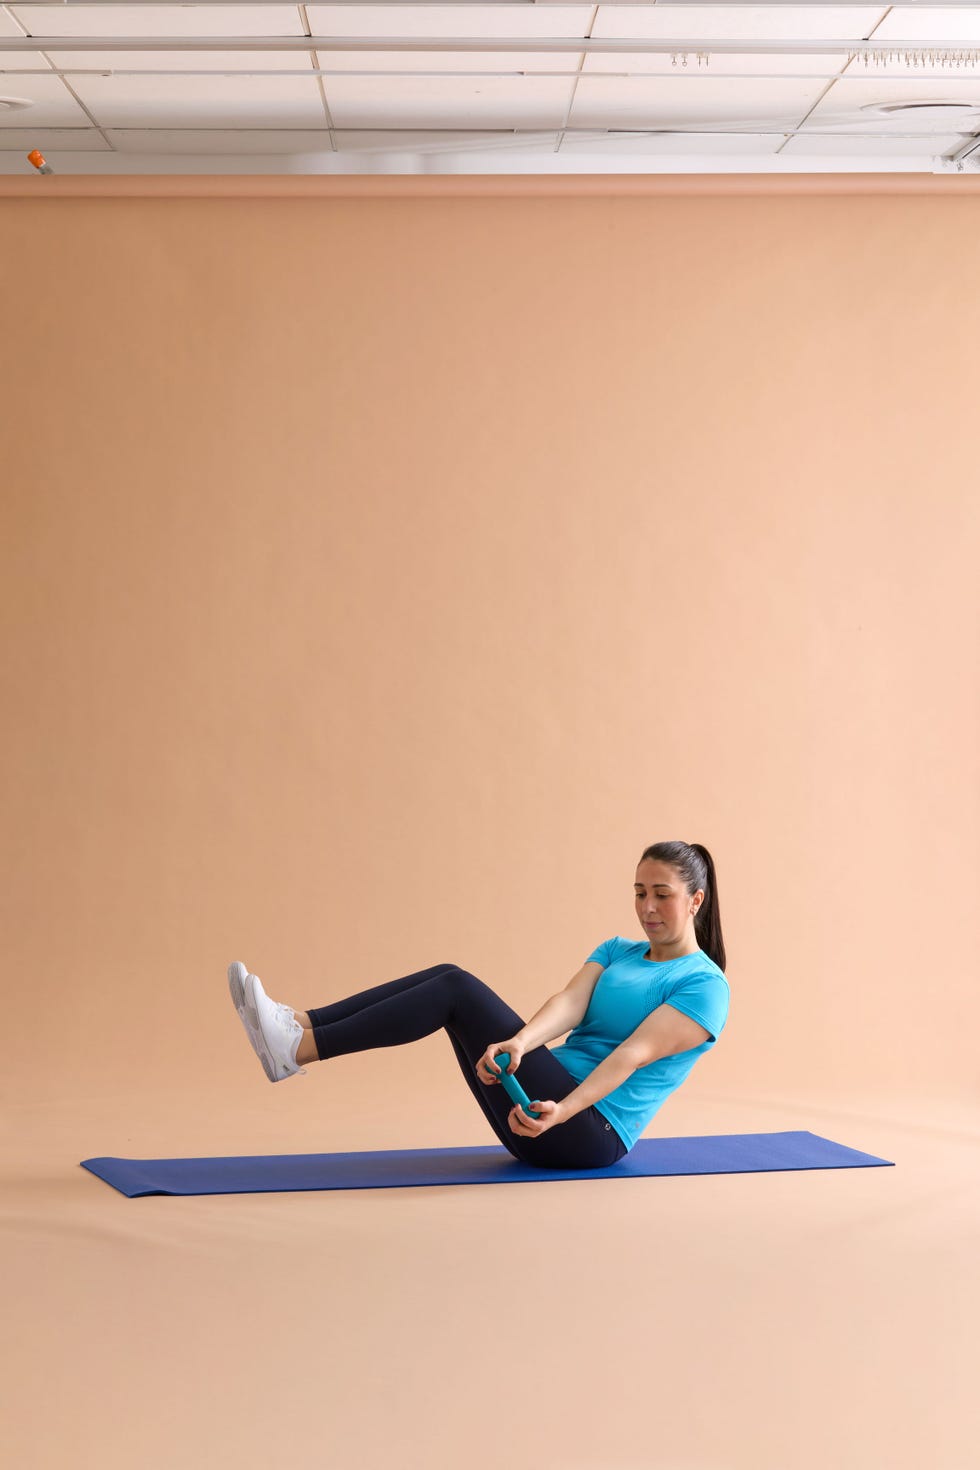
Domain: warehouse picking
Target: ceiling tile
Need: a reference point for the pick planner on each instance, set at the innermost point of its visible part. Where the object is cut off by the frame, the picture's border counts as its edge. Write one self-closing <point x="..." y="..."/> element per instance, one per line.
<point x="539" y="21"/>
<point x="64" y="140"/>
<point x="737" y="22"/>
<point x="53" y="105"/>
<point x="488" y="102"/>
<point x="930" y="23"/>
<point x="189" y="61"/>
<point x="233" y="141"/>
<point x="512" y="62"/>
<point x="674" y="101"/>
<point x="197" y="102"/>
<point x="158" y="20"/>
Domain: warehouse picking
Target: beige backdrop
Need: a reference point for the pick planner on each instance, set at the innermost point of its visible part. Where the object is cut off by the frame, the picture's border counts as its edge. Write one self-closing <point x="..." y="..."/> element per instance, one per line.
<point x="381" y="576"/>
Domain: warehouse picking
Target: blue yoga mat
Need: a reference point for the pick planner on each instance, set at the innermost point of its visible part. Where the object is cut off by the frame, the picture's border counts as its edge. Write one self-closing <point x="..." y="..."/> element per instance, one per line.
<point x="724" y="1153"/>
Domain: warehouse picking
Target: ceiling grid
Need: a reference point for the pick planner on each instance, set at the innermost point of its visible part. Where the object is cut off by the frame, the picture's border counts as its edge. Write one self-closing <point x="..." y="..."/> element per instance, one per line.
<point x="509" y="87"/>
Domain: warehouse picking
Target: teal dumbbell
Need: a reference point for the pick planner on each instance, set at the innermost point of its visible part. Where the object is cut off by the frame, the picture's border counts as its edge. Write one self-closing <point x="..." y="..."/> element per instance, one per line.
<point x="511" y="1086"/>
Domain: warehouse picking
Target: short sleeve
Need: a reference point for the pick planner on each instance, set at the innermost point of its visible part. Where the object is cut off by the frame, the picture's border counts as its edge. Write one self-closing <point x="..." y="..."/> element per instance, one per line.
<point x="604" y="953"/>
<point x="704" y="997"/>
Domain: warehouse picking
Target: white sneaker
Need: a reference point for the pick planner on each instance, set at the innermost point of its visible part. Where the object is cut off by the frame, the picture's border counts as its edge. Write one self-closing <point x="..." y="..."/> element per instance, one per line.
<point x="237" y="975"/>
<point x="272" y="1029"/>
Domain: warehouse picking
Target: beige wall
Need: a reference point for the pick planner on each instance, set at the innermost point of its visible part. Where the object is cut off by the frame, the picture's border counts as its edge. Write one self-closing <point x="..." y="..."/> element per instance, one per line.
<point x="381" y="575"/>
<point x="382" y="571"/>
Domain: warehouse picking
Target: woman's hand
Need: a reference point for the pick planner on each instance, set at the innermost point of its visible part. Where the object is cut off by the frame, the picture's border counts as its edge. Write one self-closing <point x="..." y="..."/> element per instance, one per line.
<point x="521" y="1123"/>
<point x="552" y="1113"/>
<point x="487" y="1069"/>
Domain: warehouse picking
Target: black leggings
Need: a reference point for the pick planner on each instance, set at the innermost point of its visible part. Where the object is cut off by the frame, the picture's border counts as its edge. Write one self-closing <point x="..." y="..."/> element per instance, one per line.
<point x="473" y="1016"/>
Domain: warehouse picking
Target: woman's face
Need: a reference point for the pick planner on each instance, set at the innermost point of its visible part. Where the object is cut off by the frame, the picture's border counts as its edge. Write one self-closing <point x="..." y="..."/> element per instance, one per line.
<point x="663" y="905"/>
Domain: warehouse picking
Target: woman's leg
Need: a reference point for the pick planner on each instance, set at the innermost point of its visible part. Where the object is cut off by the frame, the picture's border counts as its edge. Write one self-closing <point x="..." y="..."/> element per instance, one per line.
<point x="448" y="998"/>
<point x="339" y="1010"/>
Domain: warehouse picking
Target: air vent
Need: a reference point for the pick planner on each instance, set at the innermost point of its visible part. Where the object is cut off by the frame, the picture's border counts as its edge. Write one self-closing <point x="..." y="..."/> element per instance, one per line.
<point x="939" y="112"/>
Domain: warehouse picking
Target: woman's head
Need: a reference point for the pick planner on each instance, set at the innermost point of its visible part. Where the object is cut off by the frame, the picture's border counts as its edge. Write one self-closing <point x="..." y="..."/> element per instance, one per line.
<point x="672" y="879"/>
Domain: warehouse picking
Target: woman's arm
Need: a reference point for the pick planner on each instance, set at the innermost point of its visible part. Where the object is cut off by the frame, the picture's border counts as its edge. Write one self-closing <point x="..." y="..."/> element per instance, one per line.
<point x="602" y="1080"/>
<point x="556" y="1016"/>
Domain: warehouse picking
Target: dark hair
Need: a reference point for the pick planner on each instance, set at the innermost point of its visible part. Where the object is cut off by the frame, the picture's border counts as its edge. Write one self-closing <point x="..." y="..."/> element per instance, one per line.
<point x="696" y="866"/>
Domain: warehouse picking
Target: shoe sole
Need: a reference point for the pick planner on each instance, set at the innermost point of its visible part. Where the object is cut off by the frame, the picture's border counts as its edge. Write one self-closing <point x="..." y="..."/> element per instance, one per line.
<point x="243" y="996"/>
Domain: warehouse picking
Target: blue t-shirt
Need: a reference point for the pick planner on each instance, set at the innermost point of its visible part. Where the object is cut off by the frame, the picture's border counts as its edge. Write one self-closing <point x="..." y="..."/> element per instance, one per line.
<point x="628" y="989"/>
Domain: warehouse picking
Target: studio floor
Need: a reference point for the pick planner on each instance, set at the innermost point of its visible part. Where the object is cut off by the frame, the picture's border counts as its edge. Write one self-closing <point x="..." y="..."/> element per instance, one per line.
<point x="776" y="1321"/>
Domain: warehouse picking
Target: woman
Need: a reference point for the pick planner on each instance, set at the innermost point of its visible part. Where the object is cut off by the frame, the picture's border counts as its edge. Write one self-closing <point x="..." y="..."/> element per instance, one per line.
<point x="640" y="1014"/>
